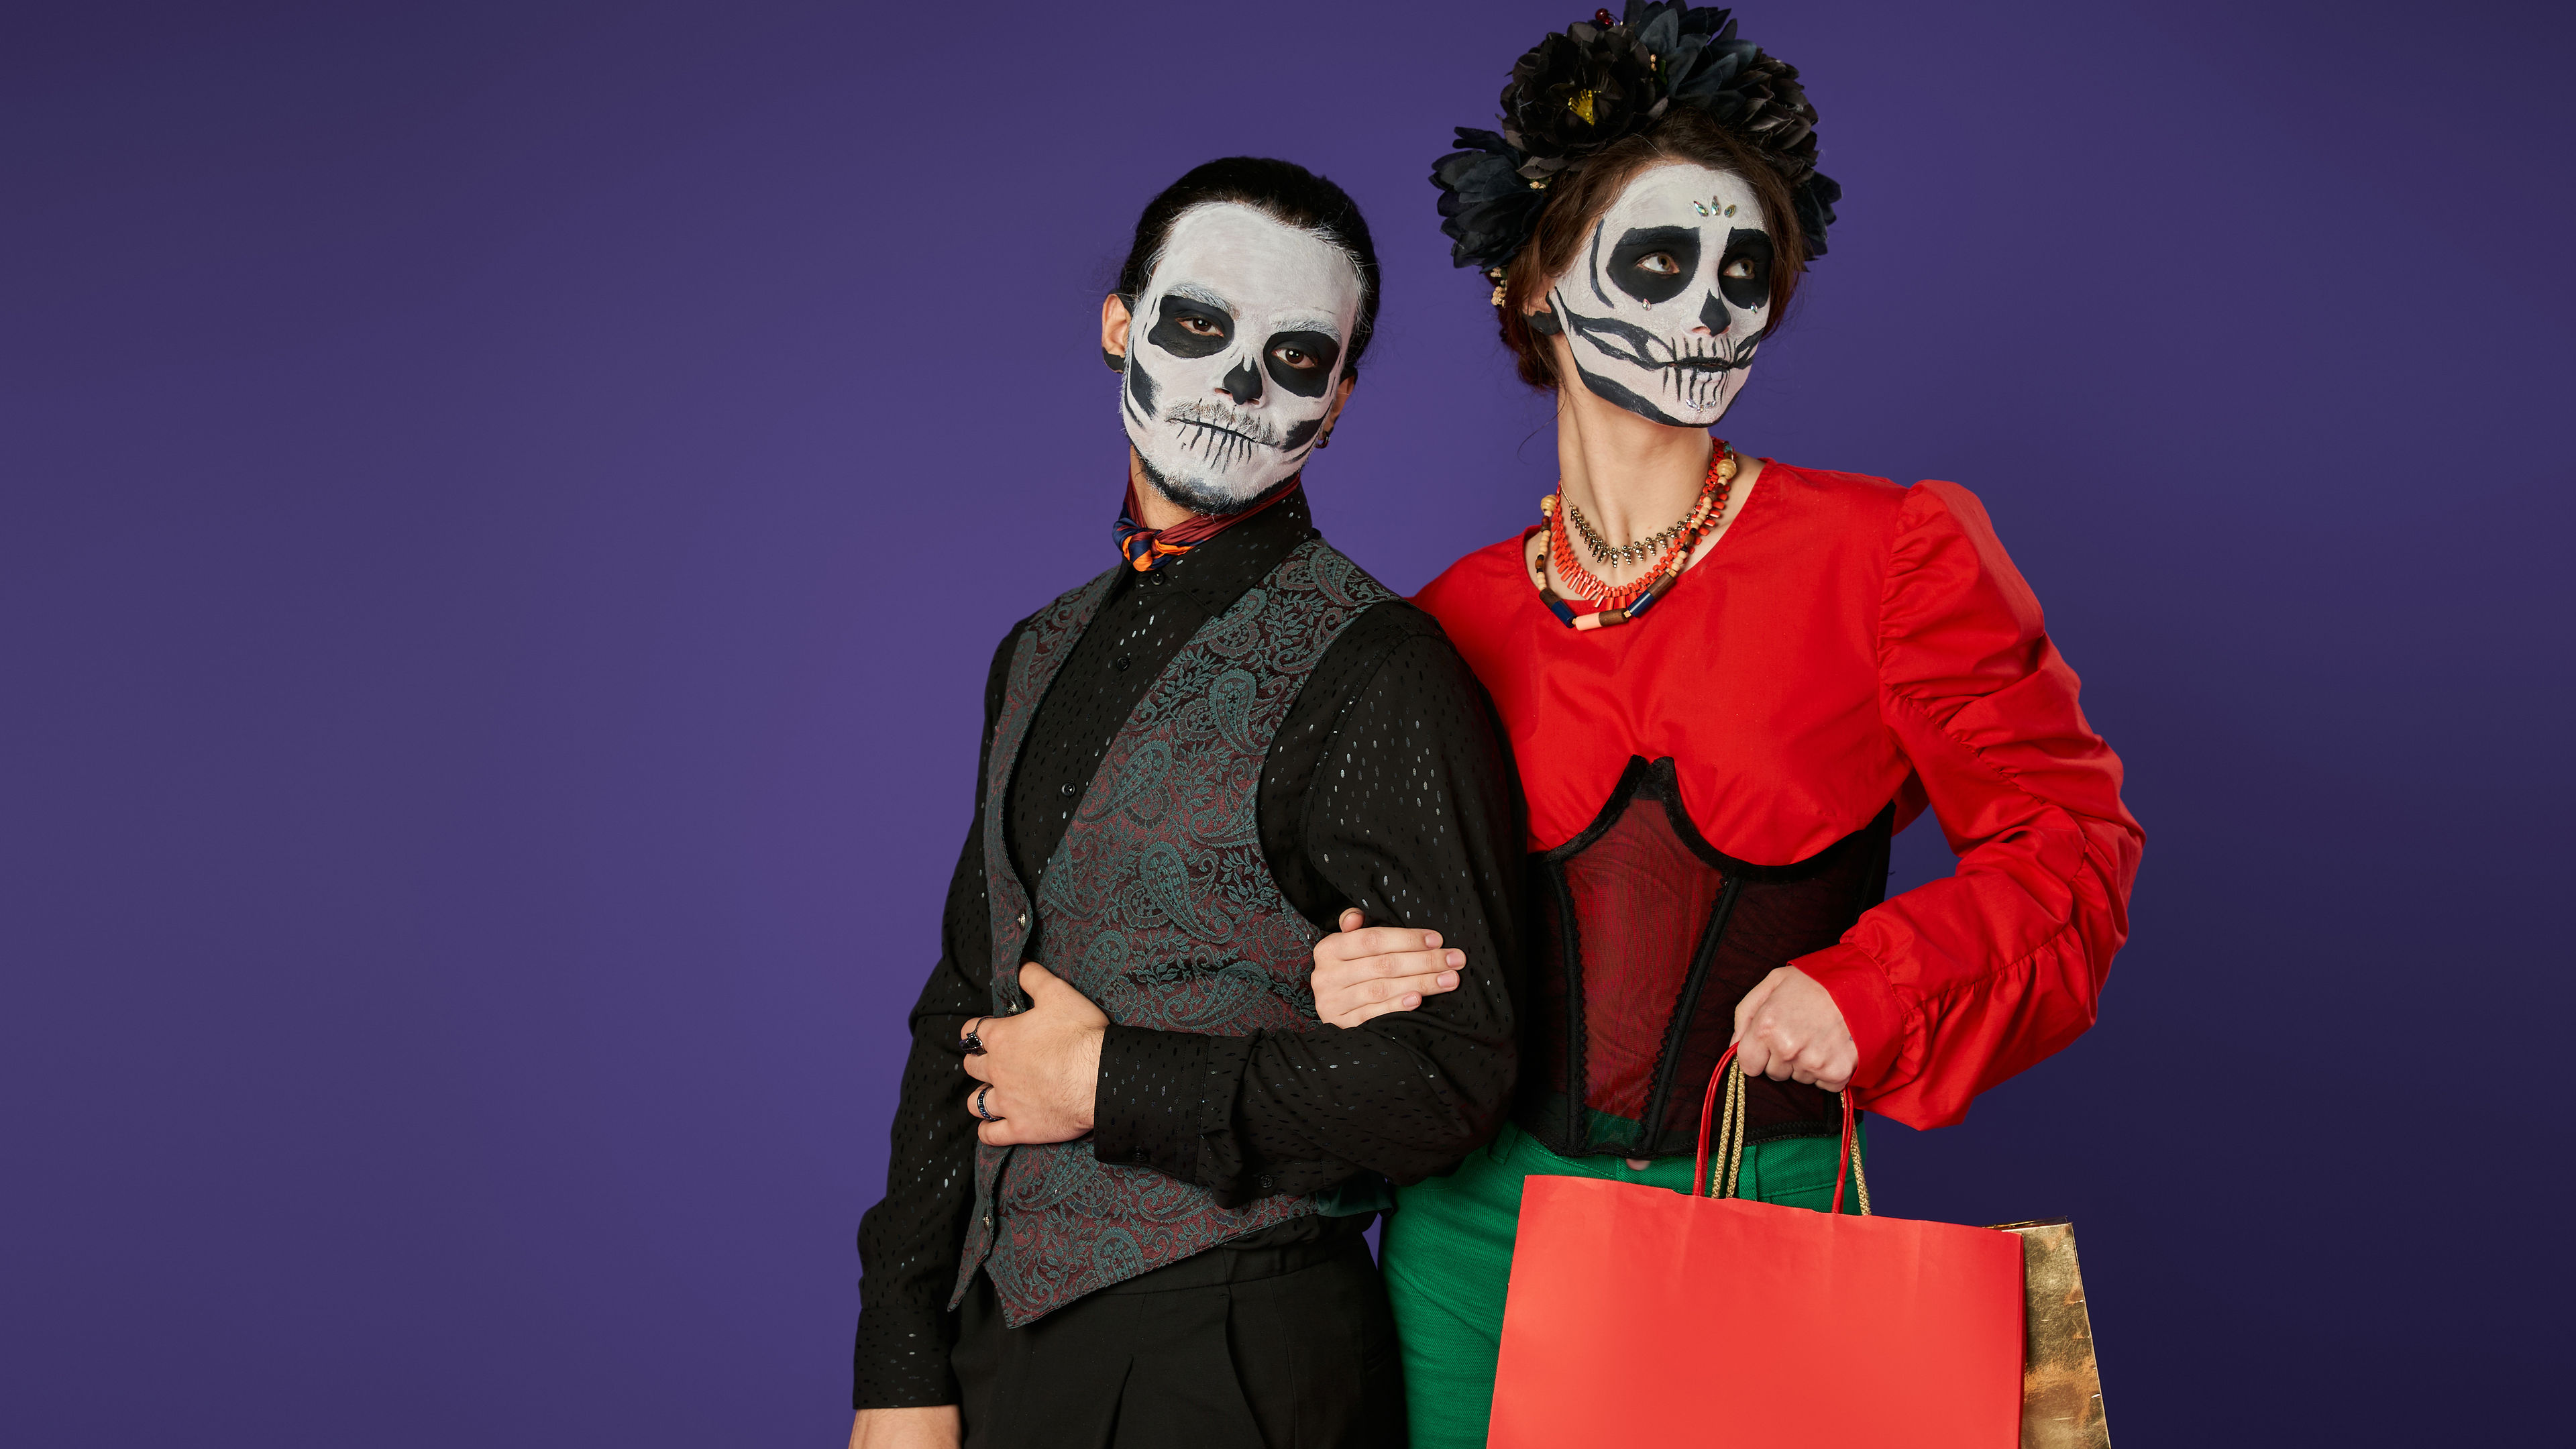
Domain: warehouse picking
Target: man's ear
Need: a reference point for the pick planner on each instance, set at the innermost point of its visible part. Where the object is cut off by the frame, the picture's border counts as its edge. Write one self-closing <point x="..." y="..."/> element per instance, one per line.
<point x="1341" y="395"/>
<point x="1113" y="332"/>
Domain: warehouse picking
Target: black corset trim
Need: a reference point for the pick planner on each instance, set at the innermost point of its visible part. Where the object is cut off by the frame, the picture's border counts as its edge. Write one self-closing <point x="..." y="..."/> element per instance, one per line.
<point x="1659" y="781"/>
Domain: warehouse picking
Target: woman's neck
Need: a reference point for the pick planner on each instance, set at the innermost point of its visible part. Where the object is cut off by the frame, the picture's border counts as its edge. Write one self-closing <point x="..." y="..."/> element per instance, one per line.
<point x="1630" y="476"/>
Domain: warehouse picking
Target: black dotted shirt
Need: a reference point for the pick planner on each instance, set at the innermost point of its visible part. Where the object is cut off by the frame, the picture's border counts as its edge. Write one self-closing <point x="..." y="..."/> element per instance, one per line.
<point x="1389" y="787"/>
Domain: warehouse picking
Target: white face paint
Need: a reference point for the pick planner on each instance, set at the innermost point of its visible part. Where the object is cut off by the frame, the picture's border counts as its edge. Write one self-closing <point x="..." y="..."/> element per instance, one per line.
<point x="1234" y="352"/>
<point x="1670" y="296"/>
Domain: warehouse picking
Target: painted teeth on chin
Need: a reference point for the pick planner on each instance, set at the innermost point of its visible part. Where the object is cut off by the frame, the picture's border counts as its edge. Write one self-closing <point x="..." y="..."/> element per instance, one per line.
<point x="1208" y="442"/>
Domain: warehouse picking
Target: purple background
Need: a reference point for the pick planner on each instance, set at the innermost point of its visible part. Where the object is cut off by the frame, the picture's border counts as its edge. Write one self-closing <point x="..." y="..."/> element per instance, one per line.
<point x="507" y="507"/>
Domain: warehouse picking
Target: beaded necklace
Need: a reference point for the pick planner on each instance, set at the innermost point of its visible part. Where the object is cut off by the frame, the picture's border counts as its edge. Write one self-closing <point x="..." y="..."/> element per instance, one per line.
<point x="1603" y="551"/>
<point x="1624" y="602"/>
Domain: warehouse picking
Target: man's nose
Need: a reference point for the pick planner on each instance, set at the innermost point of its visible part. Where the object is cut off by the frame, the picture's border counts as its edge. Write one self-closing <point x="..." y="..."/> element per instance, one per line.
<point x="1243" y="384"/>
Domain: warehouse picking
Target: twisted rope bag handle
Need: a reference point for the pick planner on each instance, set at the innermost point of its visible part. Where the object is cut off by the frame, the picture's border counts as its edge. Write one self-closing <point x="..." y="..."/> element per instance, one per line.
<point x="1731" y="1138"/>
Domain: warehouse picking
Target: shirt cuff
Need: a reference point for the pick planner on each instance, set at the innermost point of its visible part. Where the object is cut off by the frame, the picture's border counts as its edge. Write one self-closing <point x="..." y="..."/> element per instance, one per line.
<point x="1869" y="1006"/>
<point x="903" y="1365"/>
<point x="1152" y="1089"/>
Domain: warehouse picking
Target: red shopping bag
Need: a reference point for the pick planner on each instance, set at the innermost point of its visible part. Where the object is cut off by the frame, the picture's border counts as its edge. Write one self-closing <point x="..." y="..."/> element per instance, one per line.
<point x="1642" y="1316"/>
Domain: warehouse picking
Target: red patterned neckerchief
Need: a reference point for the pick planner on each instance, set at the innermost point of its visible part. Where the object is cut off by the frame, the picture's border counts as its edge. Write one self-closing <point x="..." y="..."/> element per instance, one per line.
<point x="1147" y="549"/>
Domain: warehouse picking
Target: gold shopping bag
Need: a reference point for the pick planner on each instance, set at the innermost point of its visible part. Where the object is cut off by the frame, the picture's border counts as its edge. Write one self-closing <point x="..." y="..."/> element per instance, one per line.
<point x="2061" y="1384"/>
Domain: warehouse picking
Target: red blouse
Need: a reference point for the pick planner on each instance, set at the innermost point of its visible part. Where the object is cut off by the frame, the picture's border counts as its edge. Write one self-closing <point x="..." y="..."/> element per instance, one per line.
<point x="1846" y="643"/>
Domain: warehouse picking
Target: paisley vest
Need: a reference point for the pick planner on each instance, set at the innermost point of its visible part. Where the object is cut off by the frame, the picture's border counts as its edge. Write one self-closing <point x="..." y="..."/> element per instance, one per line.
<point x="1160" y="908"/>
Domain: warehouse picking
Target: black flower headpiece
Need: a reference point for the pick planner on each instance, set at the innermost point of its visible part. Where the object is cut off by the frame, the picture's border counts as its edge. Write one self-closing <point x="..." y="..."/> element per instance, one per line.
<point x="1577" y="92"/>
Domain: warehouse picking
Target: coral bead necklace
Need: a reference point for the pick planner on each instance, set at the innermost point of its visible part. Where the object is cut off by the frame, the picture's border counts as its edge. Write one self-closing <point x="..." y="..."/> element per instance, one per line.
<point x="1623" y="602"/>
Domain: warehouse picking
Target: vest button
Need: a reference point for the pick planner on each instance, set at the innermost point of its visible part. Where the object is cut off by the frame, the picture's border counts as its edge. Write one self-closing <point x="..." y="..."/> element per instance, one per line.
<point x="1068" y="789"/>
<point x="1121" y="662"/>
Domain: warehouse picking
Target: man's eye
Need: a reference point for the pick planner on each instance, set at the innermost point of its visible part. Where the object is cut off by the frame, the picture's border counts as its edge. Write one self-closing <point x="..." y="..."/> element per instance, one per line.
<point x="1200" y="325"/>
<point x="1741" y="269"/>
<point x="1660" y="263"/>
<point x="1295" y="358"/>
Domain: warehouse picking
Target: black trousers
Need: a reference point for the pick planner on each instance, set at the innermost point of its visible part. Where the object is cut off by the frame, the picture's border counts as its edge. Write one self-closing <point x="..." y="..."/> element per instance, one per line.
<point x="1238" y="1348"/>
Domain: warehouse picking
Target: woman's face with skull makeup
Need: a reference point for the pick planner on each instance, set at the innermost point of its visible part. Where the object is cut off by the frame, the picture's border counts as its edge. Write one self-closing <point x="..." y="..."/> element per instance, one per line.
<point x="1234" y="355"/>
<point x="1669" y="299"/>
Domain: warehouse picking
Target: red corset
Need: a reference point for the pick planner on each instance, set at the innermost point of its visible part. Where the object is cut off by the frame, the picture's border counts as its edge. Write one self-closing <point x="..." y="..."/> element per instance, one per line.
<point x="1648" y="937"/>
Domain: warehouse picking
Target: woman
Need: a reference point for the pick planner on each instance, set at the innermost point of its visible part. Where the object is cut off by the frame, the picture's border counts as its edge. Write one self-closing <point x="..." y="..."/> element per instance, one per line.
<point x="1727" y="682"/>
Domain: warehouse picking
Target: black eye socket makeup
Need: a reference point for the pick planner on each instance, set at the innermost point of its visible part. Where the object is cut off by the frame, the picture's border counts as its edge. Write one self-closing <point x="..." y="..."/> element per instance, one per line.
<point x="1747" y="252"/>
<point x="1676" y="246"/>
<point x="1320" y="352"/>
<point x="1170" y="335"/>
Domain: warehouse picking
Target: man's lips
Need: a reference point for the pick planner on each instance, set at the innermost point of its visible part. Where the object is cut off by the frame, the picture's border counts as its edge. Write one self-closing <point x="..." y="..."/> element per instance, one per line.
<point x="1222" y="428"/>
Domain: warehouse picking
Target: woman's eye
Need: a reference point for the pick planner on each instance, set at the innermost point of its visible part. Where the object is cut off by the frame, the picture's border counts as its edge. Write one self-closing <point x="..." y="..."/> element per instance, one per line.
<point x="1741" y="269"/>
<point x="1661" y="264"/>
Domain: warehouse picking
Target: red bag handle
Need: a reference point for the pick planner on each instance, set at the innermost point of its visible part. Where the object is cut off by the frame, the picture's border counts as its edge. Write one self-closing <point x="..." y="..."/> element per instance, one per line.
<point x="1849" y="1167"/>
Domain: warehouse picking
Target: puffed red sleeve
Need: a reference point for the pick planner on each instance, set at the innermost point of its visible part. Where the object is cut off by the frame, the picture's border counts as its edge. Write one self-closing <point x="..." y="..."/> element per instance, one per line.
<point x="1960" y="983"/>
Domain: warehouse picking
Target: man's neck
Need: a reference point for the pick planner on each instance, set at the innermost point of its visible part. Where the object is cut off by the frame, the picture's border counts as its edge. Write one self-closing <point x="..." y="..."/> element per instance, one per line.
<point x="1153" y="510"/>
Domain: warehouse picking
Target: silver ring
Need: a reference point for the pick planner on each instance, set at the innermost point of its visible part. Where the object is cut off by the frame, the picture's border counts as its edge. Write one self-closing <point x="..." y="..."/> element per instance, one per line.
<point x="977" y="1105"/>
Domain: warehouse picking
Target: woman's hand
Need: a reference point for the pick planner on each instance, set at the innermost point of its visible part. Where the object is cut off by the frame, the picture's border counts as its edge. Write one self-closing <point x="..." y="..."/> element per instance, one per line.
<point x="1043" y="1064"/>
<point x="1788" y="1029"/>
<point x="1366" y="971"/>
<point x="936" y="1428"/>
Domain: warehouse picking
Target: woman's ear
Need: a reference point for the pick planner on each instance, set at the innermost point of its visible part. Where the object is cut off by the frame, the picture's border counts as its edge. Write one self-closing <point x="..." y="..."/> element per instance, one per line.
<point x="1113" y="332"/>
<point x="1543" y="322"/>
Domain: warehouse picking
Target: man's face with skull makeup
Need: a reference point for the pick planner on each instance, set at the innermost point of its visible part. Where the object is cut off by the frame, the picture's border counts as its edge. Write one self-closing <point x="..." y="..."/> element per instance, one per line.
<point x="1234" y="355"/>
<point x="1668" y="300"/>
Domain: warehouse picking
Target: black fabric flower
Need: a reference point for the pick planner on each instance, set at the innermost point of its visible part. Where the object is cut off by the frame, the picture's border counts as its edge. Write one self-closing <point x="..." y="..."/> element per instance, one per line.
<point x="1486" y="207"/>
<point x="1815" y="199"/>
<point x="1574" y="93"/>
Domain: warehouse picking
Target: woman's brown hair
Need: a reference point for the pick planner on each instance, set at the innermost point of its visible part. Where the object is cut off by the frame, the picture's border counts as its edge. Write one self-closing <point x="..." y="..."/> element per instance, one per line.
<point x="1576" y="200"/>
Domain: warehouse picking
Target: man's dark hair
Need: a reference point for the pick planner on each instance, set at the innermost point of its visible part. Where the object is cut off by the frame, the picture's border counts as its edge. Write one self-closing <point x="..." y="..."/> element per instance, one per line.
<point x="1282" y="190"/>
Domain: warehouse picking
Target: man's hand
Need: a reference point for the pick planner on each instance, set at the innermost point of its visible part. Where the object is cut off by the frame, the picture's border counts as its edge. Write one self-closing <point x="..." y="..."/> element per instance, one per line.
<point x="1043" y="1064"/>
<point x="1360" y="973"/>
<point x="937" y="1428"/>
<point x="1788" y="1029"/>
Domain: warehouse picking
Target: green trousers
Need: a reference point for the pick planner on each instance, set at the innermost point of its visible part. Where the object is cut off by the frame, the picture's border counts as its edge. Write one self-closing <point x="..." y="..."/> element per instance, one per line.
<point x="1447" y="1255"/>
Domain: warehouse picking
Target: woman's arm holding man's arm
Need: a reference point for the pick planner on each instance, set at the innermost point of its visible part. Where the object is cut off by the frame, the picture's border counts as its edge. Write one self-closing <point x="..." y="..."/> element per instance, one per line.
<point x="1410" y="813"/>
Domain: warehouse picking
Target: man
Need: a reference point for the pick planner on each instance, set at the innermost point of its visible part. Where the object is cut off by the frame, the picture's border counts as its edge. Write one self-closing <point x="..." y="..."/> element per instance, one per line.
<point x="1125" y="1200"/>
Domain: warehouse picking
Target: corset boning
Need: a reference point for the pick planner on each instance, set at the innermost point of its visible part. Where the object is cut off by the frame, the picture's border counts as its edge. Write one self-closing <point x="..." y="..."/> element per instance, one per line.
<point x="1648" y="937"/>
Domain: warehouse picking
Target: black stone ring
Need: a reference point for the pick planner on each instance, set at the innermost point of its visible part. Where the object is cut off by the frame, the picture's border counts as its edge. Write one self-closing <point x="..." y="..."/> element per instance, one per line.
<point x="977" y="1105"/>
<point x="971" y="1044"/>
